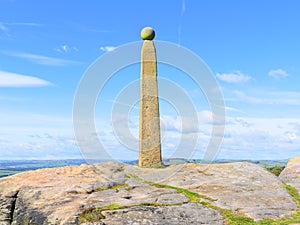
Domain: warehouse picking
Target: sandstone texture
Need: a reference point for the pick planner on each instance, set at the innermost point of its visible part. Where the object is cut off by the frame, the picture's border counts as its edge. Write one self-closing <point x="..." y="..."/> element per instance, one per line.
<point x="61" y="195"/>
<point x="149" y="133"/>
<point x="243" y="187"/>
<point x="291" y="173"/>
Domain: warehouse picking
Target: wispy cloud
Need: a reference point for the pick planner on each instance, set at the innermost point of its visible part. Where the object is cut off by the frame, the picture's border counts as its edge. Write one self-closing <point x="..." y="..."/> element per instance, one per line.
<point x="41" y="59"/>
<point x="4" y="30"/>
<point x="23" y="24"/>
<point x="66" y="49"/>
<point x="278" y="74"/>
<point x="107" y="48"/>
<point x="5" y="26"/>
<point x="14" y="99"/>
<point x="8" y="79"/>
<point x="270" y="98"/>
<point x="241" y="96"/>
<point x="232" y="109"/>
<point x="235" y="77"/>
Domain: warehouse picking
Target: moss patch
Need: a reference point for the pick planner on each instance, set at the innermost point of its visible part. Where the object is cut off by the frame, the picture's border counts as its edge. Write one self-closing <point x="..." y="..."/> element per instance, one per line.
<point x="112" y="206"/>
<point x="287" y="220"/>
<point x="90" y="215"/>
<point x="95" y="214"/>
<point x="231" y="217"/>
<point x="115" y="187"/>
<point x="100" y="189"/>
<point x="119" y="186"/>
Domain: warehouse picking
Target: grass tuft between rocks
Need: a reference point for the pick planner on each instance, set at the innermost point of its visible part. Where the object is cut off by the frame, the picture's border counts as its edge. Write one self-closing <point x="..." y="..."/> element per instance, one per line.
<point x="115" y="187"/>
<point x="293" y="192"/>
<point x="192" y="196"/>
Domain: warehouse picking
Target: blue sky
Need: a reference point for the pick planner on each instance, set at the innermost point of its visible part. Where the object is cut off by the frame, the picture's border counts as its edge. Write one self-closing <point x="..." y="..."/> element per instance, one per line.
<point x="252" y="48"/>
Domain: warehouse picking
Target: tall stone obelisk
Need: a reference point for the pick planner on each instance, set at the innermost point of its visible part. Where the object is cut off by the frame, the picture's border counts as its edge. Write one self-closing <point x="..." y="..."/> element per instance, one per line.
<point x="149" y="146"/>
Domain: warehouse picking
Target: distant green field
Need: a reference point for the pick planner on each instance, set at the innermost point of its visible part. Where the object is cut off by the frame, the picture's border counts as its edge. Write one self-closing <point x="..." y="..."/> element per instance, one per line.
<point x="4" y="173"/>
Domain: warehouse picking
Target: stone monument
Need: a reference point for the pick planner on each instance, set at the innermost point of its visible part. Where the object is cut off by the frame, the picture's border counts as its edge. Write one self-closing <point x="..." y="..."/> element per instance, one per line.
<point x="149" y="140"/>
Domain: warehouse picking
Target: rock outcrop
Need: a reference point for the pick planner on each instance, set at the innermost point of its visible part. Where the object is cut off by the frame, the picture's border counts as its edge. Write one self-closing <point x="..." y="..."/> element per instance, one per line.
<point x="243" y="187"/>
<point x="125" y="194"/>
<point x="291" y="173"/>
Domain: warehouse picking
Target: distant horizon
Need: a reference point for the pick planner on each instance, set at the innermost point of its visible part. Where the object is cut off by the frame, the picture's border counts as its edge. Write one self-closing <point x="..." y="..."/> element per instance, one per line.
<point x="132" y="160"/>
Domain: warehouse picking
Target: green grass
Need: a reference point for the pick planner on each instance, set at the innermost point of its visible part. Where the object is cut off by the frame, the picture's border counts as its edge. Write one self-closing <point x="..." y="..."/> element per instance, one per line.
<point x="115" y="187"/>
<point x="231" y="217"/>
<point x="95" y="214"/>
<point x="100" y="189"/>
<point x="119" y="186"/>
<point x="287" y="220"/>
<point x="293" y="192"/>
<point x="112" y="206"/>
<point x="4" y="173"/>
<point x="90" y="215"/>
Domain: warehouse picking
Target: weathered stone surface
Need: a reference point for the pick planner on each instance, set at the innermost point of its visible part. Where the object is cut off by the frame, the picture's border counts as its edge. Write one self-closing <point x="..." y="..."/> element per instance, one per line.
<point x="133" y="195"/>
<point x="53" y="196"/>
<point x="149" y="137"/>
<point x="7" y="206"/>
<point x="59" y="195"/>
<point x="242" y="187"/>
<point x="172" y="215"/>
<point x="291" y="173"/>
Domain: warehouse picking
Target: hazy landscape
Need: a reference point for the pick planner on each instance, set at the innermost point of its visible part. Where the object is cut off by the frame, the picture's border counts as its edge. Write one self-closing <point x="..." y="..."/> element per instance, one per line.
<point x="10" y="167"/>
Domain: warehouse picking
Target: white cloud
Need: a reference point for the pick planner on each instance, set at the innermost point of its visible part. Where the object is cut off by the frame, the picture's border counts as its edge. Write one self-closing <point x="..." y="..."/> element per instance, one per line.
<point x="8" y="79"/>
<point x="42" y="60"/>
<point x="260" y="138"/>
<point x="107" y="48"/>
<point x="235" y="77"/>
<point x="245" y="138"/>
<point x="277" y="74"/>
